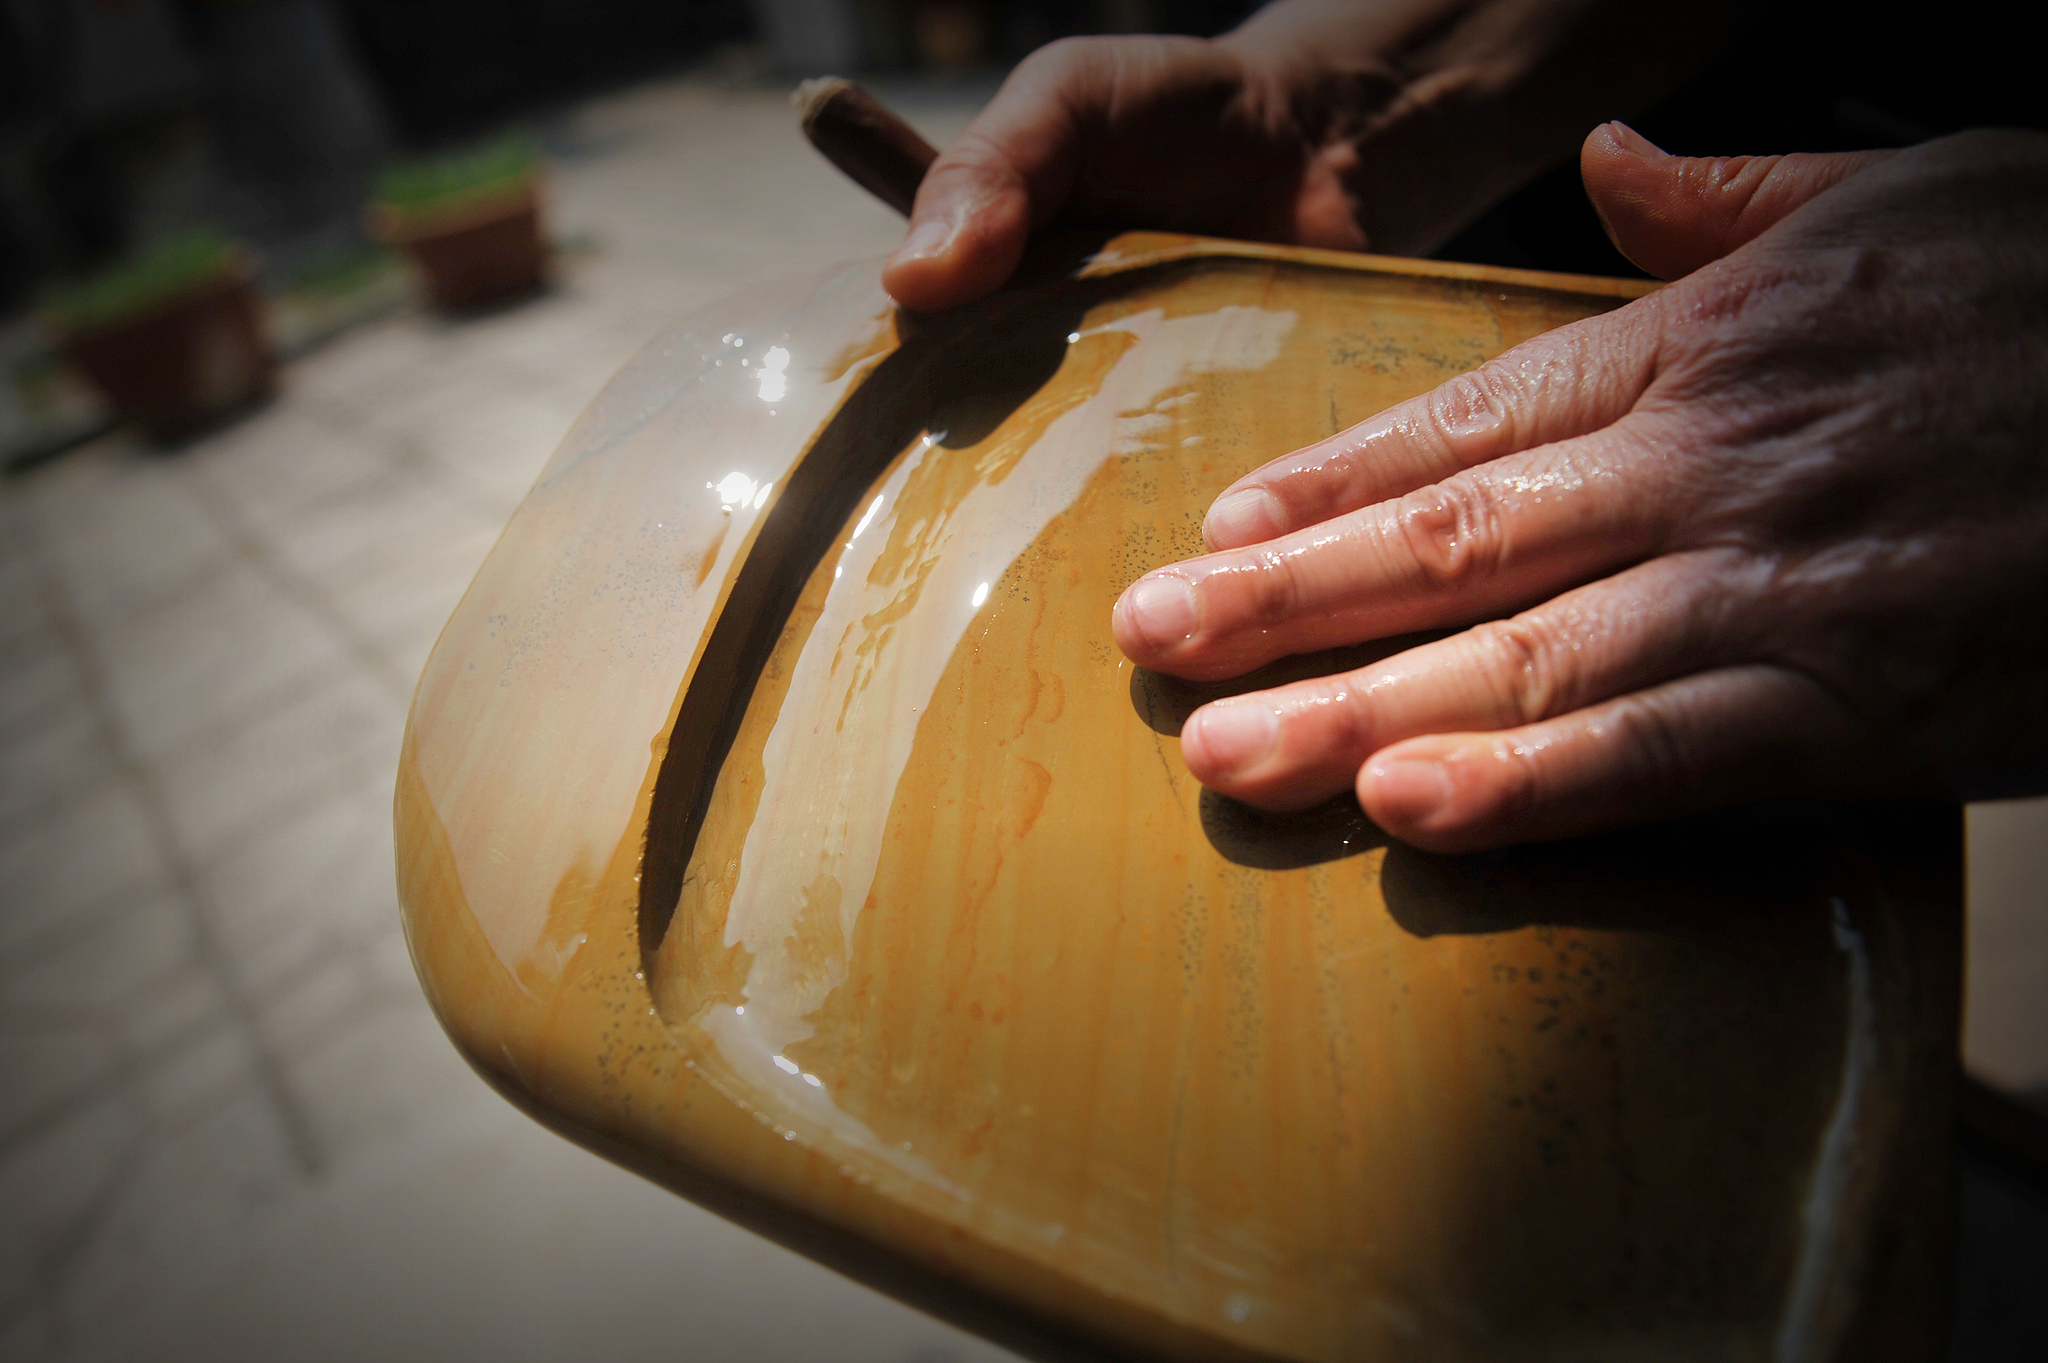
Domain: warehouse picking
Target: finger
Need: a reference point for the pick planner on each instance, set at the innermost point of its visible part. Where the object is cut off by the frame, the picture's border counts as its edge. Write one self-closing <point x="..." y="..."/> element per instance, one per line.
<point x="1017" y="164"/>
<point x="976" y="204"/>
<point x="1673" y="214"/>
<point x="1293" y="746"/>
<point x="1482" y="541"/>
<point x="1710" y="739"/>
<point x="1564" y="383"/>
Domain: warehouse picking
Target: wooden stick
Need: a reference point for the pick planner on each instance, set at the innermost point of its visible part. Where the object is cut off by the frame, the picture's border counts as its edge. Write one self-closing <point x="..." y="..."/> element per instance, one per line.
<point x="877" y="150"/>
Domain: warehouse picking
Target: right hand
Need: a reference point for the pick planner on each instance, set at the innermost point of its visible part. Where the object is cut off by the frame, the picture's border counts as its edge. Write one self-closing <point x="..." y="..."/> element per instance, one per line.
<point x="1779" y="530"/>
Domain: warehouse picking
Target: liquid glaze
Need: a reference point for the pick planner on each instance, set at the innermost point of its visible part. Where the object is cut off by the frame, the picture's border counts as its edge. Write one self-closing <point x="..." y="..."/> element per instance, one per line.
<point x="778" y="817"/>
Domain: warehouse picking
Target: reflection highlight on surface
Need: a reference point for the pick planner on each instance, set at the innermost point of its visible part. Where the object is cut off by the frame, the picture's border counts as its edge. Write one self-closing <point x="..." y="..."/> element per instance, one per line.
<point x="863" y="652"/>
<point x="774" y="382"/>
<point x="737" y="490"/>
<point x="1008" y="1007"/>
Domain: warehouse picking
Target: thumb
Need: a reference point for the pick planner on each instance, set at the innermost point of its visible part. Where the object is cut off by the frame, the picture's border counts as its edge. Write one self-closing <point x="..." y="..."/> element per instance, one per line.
<point x="967" y="229"/>
<point x="1673" y="214"/>
<point x="1009" y="171"/>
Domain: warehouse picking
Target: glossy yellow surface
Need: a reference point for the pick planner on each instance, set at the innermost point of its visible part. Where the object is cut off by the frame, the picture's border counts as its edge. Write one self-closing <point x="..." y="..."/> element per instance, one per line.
<point x="778" y="817"/>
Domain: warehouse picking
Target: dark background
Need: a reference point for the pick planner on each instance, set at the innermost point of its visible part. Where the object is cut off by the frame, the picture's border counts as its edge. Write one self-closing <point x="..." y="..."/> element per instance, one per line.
<point x="120" y="119"/>
<point x="123" y="119"/>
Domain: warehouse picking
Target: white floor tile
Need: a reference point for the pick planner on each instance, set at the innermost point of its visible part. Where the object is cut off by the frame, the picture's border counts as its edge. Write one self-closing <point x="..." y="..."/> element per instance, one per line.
<point x="41" y="1068"/>
<point x="58" y="758"/>
<point x="401" y="604"/>
<point x="188" y="1202"/>
<point x="92" y="976"/>
<point x="37" y="677"/>
<point x="254" y="775"/>
<point x="212" y="659"/>
<point x="58" y="1185"/>
<point x="74" y="862"/>
<point x="128" y="539"/>
<point x="332" y="542"/>
<point x="307" y="868"/>
<point x="285" y="459"/>
<point x="185" y="1084"/>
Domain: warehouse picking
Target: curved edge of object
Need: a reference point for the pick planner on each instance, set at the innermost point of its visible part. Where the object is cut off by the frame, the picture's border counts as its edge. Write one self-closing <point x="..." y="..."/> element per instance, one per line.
<point x="566" y="1027"/>
<point x="568" y="1032"/>
<point x="1136" y="250"/>
<point x="514" y="1041"/>
<point x="643" y="1109"/>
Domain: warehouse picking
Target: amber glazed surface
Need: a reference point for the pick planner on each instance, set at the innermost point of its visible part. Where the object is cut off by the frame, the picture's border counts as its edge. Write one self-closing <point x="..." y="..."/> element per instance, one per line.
<point x="778" y="817"/>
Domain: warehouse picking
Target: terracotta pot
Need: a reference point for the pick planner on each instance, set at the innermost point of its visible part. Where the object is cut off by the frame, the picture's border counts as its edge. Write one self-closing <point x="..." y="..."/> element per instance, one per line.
<point x="185" y="362"/>
<point x="777" y="817"/>
<point x="475" y="254"/>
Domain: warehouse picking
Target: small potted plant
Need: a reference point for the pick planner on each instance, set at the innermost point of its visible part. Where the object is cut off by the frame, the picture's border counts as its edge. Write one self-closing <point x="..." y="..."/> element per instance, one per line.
<point x="470" y="222"/>
<point x="174" y="337"/>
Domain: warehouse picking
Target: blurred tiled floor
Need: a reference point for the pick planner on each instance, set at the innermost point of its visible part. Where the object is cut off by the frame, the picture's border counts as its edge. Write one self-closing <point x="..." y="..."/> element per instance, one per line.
<point x="229" y="1128"/>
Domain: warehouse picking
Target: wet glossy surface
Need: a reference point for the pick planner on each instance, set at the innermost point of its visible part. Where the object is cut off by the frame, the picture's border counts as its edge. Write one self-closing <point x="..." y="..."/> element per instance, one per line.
<point x="778" y="816"/>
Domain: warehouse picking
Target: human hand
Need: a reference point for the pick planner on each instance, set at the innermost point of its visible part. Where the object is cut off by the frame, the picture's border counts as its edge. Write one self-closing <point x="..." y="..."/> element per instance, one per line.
<point x="1779" y="529"/>
<point x="1176" y="133"/>
<point x="1382" y="126"/>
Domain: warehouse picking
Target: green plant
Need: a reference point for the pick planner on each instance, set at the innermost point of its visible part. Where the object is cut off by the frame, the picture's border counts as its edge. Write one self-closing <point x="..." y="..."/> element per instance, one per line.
<point x="452" y="181"/>
<point x="141" y="283"/>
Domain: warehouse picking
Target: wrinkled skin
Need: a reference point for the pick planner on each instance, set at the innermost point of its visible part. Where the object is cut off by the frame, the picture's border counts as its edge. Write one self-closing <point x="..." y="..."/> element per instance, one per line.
<point x="1381" y="126"/>
<point x="1086" y="130"/>
<point x="1779" y="529"/>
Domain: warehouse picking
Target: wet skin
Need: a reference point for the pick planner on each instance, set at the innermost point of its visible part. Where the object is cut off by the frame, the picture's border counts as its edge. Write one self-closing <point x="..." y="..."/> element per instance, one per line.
<point x="1780" y="529"/>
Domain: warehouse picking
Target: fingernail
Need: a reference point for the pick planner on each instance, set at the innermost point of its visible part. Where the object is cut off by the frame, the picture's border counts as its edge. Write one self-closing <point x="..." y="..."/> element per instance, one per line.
<point x="1245" y="517"/>
<point x="1408" y="790"/>
<point x="1234" y="735"/>
<point x="928" y="238"/>
<point x="1161" y="609"/>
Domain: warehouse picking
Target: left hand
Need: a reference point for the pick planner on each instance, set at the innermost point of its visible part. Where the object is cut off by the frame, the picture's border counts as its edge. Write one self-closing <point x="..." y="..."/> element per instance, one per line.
<point x="1779" y="529"/>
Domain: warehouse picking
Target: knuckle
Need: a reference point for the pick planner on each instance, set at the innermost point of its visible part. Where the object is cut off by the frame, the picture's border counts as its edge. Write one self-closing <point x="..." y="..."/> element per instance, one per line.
<point x="1274" y="590"/>
<point x="1304" y="489"/>
<point x="1521" y="660"/>
<point x="1736" y="190"/>
<point x="1651" y="732"/>
<point x="966" y="164"/>
<point x="1354" y="727"/>
<point x="1518" y="784"/>
<point x="1452" y="530"/>
<point x="1060" y="59"/>
<point x="1471" y="408"/>
<point x="1324" y="478"/>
